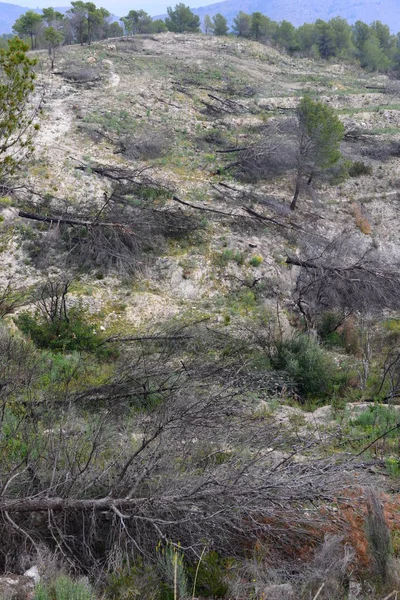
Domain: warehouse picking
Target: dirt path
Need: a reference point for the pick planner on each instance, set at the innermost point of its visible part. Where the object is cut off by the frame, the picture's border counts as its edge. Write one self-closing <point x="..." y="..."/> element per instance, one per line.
<point x="114" y="79"/>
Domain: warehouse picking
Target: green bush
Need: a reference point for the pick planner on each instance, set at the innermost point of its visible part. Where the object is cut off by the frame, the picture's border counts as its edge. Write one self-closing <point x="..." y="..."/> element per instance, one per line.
<point x="133" y="582"/>
<point x="305" y="362"/>
<point x="377" y="418"/>
<point x="172" y="569"/>
<point x="327" y="329"/>
<point x="223" y="258"/>
<point x="64" y="588"/>
<point x="61" y="335"/>
<point x="255" y="261"/>
<point x="211" y="576"/>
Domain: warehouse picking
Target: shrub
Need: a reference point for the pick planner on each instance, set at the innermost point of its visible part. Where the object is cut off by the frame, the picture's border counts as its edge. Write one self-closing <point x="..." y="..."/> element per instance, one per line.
<point x="133" y="582"/>
<point x="377" y="418"/>
<point x="81" y="73"/>
<point x="222" y="259"/>
<point x="60" y="335"/>
<point x="328" y="329"/>
<point x="173" y="571"/>
<point x="211" y="576"/>
<point x="307" y="365"/>
<point x="255" y="261"/>
<point x="64" y="588"/>
<point x="359" y="168"/>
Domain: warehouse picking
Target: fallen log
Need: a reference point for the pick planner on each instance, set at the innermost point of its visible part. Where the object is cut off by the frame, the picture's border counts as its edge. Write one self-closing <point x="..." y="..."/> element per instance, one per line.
<point x="228" y="150"/>
<point x="67" y="221"/>
<point x="46" y="503"/>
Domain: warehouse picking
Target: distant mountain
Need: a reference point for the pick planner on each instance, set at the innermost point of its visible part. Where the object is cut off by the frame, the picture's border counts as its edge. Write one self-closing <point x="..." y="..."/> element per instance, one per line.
<point x="307" y="11"/>
<point x="295" y="11"/>
<point x="9" y="13"/>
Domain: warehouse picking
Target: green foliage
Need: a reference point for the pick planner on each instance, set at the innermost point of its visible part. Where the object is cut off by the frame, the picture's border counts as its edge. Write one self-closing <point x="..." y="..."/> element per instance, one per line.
<point x="61" y="335"/>
<point x="159" y="26"/>
<point x="208" y="26"/>
<point x="52" y="17"/>
<point x="181" y="19"/>
<point x="255" y="261"/>
<point x="373" y="56"/>
<point x="392" y="325"/>
<point x="328" y="329"/>
<point x="286" y="36"/>
<point x="224" y="258"/>
<point x="262" y="28"/>
<point x="172" y="568"/>
<point x="87" y="21"/>
<point x="320" y="134"/>
<point x="137" y="21"/>
<point x="361" y="33"/>
<point x="343" y="37"/>
<point x="372" y="44"/>
<point x="312" y="371"/>
<point x="53" y="37"/>
<point x="220" y="25"/>
<point x="307" y="38"/>
<point x="392" y="466"/>
<point x="377" y="418"/>
<point x="114" y="30"/>
<point x="64" y="588"/>
<point x="28" y="24"/>
<point x="211" y="579"/>
<point x="326" y="41"/>
<point x="242" y="24"/>
<point x="132" y="582"/>
<point x="323" y="130"/>
<point x="17" y="112"/>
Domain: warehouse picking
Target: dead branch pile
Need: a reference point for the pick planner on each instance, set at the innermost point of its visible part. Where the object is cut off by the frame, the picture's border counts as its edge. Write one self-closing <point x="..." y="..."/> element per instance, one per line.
<point x="336" y="281"/>
<point x="194" y="464"/>
<point x="131" y="223"/>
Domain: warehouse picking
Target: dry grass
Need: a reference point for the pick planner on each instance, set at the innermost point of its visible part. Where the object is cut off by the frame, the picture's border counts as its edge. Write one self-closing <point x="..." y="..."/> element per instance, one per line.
<point x="361" y="220"/>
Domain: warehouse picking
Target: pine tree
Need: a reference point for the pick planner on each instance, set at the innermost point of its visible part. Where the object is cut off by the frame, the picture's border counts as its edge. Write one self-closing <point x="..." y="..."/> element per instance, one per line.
<point x="320" y="134"/>
<point x="17" y="112"/>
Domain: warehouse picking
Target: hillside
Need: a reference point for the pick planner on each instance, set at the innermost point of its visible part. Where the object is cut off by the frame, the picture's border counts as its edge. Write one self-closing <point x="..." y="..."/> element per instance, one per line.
<point x="200" y="386"/>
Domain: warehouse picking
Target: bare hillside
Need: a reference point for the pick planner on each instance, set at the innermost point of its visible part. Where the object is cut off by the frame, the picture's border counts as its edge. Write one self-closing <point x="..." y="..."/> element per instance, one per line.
<point x="192" y="370"/>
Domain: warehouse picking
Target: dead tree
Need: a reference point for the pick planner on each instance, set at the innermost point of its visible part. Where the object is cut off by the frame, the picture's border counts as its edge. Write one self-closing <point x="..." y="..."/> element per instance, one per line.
<point x="52" y="301"/>
<point x="272" y="155"/>
<point x="340" y="280"/>
<point x="120" y="231"/>
<point x="178" y="467"/>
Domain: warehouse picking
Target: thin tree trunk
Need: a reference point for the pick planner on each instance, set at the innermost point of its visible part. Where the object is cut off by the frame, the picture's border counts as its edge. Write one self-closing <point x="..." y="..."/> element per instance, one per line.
<point x="296" y="193"/>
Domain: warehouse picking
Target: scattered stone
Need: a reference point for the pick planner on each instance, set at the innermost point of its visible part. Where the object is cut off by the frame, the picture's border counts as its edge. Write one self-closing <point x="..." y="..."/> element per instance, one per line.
<point x="33" y="572"/>
<point x="17" y="587"/>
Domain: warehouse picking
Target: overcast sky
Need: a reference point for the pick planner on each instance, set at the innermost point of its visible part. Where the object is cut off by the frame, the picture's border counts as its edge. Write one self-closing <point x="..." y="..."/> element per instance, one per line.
<point x="120" y="7"/>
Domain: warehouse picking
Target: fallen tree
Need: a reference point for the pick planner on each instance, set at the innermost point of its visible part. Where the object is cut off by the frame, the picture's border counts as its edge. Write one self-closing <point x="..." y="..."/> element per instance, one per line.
<point x="165" y="455"/>
<point x="340" y="280"/>
<point x="118" y="232"/>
